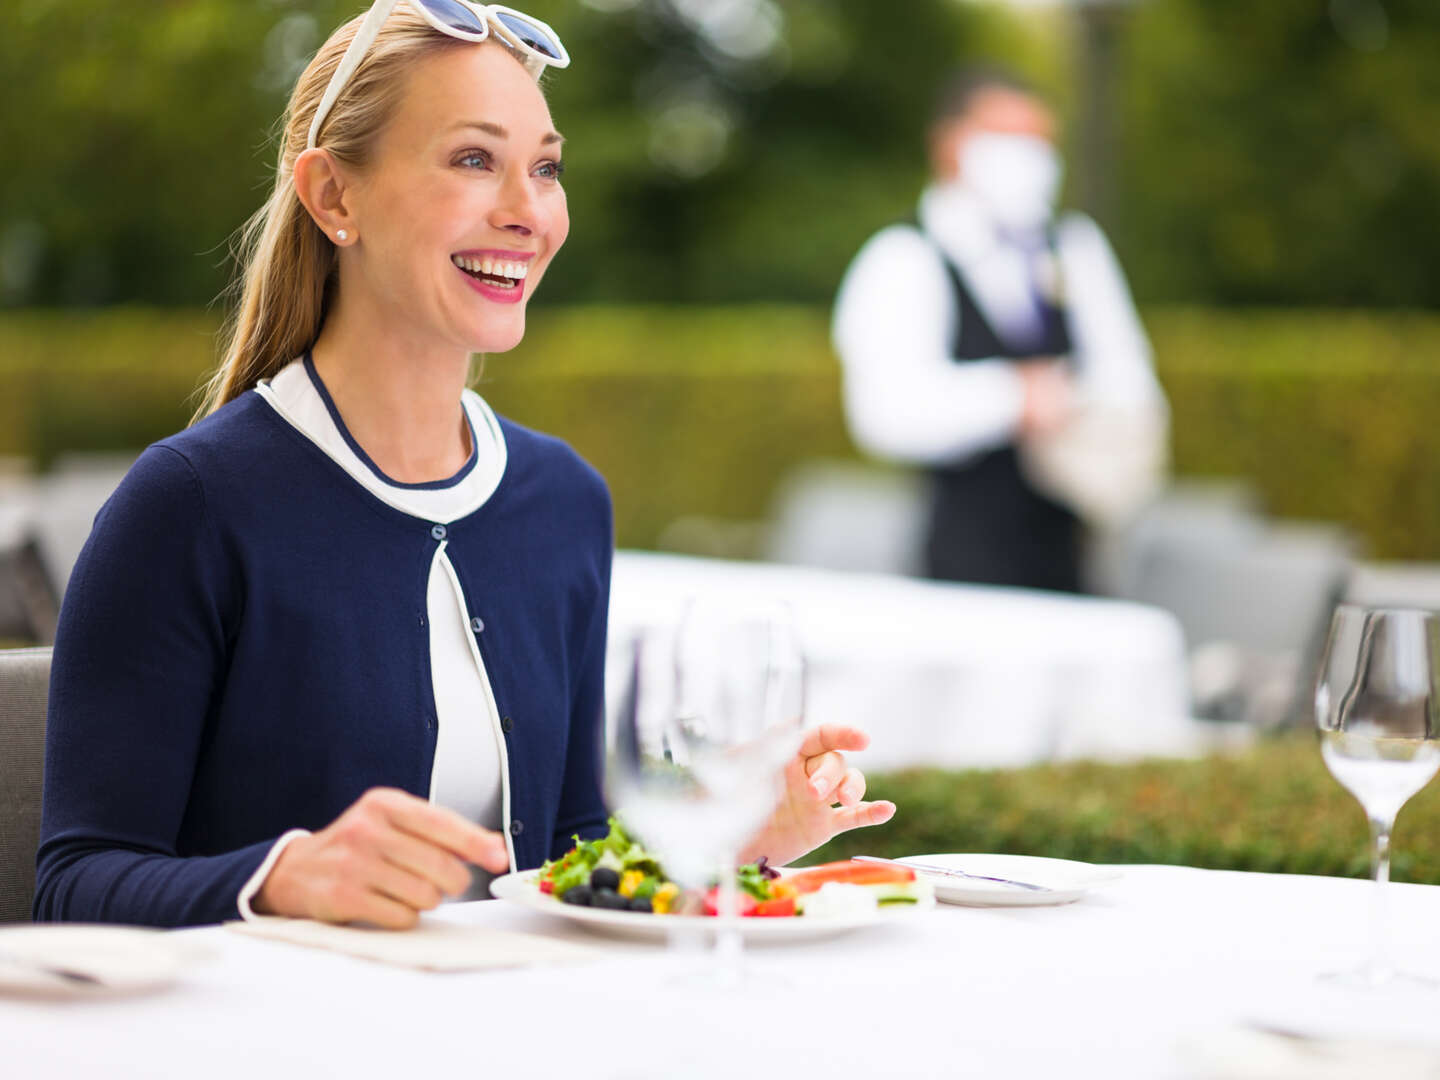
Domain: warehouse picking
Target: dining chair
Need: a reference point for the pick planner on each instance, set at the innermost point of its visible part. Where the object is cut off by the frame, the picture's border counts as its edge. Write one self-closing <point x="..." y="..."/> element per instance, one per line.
<point x="24" y="687"/>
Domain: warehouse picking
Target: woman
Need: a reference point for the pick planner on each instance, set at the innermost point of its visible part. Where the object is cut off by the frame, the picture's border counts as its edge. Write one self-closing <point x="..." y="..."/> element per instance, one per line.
<point x="351" y="599"/>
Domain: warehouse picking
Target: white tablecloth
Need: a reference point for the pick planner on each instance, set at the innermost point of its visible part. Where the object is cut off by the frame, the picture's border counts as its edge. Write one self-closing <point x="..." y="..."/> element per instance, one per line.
<point x="950" y="675"/>
<point x="1147" y="979"/>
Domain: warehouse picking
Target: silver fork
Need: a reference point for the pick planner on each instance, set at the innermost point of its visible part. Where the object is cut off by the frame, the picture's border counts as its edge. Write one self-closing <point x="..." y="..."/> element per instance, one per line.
<point x="950" y="871"/>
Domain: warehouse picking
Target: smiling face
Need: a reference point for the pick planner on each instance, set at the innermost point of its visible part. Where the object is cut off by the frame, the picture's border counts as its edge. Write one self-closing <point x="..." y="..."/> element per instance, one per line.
<point x="460" y="209"/>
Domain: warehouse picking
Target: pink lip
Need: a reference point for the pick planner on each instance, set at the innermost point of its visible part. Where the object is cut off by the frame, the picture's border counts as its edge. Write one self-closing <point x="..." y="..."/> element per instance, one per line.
<point x="493" y="292"/>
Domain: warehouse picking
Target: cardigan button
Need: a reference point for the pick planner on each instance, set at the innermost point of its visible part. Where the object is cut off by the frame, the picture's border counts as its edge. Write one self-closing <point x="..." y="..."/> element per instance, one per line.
<point x="477" y="624"/>
<point x="438" y="532"/>
<point x="507" y="725"/>
<point x="517" y="827"/>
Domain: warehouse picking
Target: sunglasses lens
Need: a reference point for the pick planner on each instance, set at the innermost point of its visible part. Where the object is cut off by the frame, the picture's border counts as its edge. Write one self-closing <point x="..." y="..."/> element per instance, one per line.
<point x="455" y="15"/>
<point x="539" y="40"/>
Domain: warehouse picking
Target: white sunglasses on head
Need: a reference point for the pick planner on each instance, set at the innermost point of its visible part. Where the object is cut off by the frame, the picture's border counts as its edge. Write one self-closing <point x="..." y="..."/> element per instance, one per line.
<point x="538" y="45"/>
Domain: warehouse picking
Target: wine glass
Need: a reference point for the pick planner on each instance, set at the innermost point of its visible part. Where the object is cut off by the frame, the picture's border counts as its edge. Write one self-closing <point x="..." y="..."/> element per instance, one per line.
<point x="1379" y="720"/>
<point x="709" y="716"/>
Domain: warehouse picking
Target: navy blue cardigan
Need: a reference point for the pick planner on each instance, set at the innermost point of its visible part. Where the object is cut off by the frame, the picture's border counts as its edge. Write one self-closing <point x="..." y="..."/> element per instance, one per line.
<point x="243" y="650"/>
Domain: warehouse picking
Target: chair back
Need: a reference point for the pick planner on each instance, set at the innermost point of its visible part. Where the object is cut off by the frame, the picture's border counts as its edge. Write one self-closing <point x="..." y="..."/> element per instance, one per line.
<point x="24" y="688"/>
<point x="840" y="515"/>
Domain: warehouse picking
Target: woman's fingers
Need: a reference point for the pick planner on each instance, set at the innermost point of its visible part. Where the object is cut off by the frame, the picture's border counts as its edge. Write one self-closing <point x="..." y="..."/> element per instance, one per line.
<point x="825" y="771"/>
<point x="827" y="737"/>
<point x="825" y="763"/>
<point x="851" y="789"/>
<point x="443" y="827"/>
<point x="434" y="864"/>
<point x="386" y="858"/>
<point x="412" y="890"/>
<point x="862" y="815"/>
<point x="380" y="910"/>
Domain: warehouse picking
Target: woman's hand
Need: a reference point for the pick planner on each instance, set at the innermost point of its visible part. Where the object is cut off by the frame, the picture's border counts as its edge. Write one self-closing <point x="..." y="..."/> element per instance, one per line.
<point x="383" y="861"/>
<point x="817" y="778"/>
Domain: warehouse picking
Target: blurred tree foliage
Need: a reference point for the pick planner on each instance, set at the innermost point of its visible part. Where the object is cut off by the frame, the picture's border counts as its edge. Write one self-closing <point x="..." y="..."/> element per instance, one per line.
<point x="1283" y="152"/>
<point x="727" y="150"/>
<point x="710" y="158"/>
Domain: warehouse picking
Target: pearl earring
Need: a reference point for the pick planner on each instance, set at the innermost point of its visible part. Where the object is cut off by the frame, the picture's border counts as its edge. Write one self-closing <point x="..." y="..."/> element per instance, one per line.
<point x="342" y="235"/>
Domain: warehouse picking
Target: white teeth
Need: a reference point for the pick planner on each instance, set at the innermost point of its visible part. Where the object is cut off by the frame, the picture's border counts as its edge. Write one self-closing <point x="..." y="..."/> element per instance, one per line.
<point x="492" y="267"/>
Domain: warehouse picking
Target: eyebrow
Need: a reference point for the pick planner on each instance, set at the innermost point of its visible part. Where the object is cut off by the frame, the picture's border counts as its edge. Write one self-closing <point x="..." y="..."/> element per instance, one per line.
<point x="499" y="132"/>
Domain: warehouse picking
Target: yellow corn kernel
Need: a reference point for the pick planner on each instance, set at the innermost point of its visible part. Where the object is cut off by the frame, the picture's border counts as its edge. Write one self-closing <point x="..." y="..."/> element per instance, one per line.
<point x="630" y="881"/>
<point x="779" y="890"/>
<point x="665" y="897"/>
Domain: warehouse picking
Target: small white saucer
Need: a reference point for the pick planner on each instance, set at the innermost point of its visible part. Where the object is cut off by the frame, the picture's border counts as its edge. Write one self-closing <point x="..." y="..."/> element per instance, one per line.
<point x="119" y="960"/>
<point x="1065" y="880"/>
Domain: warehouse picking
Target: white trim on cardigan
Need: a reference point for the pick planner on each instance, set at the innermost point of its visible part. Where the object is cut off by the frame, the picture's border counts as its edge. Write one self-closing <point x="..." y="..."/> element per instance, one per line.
<point x="470" y="772"/>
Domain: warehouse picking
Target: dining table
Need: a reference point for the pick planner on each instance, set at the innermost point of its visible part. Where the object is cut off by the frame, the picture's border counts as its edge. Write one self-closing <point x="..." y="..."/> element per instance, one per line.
<point x="1159" y="972"/>
<point x="942" y="674"/>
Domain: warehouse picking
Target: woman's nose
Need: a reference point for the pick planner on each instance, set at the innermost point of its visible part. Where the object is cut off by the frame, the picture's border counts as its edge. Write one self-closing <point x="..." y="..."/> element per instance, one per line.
<point x="516" y="209"/>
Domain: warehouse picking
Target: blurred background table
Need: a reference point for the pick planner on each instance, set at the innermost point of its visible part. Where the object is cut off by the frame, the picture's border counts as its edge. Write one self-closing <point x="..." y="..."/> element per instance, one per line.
<point x="1162" y="974"/>
<point x="949" y="675"/>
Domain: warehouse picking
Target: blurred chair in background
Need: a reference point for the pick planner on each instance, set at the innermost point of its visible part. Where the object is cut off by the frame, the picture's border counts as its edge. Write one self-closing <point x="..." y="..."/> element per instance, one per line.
<point x="24" y="688"/>
<point x="29" y="599"/>
<point x="845" y="516"/>
<point x="44" y="522"/>
<point x="1253" y="596"/>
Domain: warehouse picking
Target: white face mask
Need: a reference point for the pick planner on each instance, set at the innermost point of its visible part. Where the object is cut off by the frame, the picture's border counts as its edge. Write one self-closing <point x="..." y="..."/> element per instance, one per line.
<point x="1016" y="176"/>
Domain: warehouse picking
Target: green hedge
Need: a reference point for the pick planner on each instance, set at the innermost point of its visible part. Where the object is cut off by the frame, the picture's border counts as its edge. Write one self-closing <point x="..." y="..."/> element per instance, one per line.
<point x="1274" y="808"/>
<point x="701" y="410"/>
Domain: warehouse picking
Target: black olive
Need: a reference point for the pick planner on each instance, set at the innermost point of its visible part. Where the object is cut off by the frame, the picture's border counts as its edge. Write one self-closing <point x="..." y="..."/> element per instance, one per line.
<point x="610" y="900"/>
<point x="641" y="903"/>
<point x="602" y="877"/>
<point x="579" y="894"/>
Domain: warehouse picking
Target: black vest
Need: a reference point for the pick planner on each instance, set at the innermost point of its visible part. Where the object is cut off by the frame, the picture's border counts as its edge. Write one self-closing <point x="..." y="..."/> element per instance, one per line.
<point x="987" y="524"/>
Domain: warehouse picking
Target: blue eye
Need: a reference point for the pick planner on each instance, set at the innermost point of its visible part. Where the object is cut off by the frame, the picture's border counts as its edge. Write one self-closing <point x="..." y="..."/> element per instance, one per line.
<point x="551" y="170"/>
<point x="473" y="159"/>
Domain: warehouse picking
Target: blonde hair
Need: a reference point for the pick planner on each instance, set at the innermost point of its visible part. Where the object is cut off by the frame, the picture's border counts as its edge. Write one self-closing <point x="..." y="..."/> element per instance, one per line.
<point x="286" y="264"/>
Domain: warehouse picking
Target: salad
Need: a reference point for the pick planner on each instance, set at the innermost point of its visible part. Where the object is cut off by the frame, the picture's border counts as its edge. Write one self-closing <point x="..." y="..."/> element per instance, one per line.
<point x="617" y="873"/>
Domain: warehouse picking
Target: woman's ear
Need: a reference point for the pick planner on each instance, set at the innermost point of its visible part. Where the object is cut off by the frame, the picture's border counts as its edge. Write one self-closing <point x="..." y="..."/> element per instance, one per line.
<point x="322" y="189"/>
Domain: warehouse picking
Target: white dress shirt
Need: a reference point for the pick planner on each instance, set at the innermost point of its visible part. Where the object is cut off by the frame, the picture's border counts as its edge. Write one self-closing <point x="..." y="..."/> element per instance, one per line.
<point x="906" y="399"/>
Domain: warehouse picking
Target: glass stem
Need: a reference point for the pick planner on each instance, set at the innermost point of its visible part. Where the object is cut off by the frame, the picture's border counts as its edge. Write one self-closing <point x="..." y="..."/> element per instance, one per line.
<point x="1380" y="967"/>
<point x="727" y="942"/>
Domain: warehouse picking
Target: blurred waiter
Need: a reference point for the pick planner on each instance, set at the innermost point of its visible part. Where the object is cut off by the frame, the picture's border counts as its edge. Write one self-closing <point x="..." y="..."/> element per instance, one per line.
<point x="997" y="345"/>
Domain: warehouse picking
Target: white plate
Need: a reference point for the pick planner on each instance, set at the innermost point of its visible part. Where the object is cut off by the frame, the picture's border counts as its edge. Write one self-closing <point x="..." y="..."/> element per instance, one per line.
<point x="1067" y="880"/>
<point x="125" y="959"/>
<point x="522" y="889"/>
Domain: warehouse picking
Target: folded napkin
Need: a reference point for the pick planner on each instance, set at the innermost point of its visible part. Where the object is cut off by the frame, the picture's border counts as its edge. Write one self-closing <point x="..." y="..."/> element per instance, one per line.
<point x="432" y="946"/>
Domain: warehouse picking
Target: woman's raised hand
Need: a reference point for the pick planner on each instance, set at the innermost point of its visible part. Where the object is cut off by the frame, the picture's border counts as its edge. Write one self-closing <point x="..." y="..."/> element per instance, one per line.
<point x="816" y="779"/>
<point x="383" y="861"/>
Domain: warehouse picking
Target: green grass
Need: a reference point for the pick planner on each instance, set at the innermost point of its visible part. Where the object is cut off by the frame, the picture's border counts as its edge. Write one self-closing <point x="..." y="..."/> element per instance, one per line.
<point x="1274" y="808"/>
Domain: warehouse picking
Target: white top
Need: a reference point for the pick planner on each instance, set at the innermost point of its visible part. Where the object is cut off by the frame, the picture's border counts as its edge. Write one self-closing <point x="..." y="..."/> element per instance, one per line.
<point x="469" y="774"/>
<point x="905" y="398"/>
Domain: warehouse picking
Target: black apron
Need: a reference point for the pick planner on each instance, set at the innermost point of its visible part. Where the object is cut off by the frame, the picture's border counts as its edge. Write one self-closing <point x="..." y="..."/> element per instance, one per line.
<point x="987" y="524"/>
